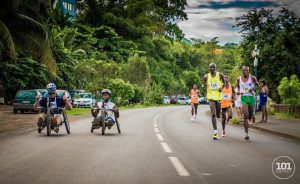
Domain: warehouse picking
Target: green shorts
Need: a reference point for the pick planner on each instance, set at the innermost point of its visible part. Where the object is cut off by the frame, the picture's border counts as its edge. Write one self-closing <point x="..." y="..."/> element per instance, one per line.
<point x="248" y="100"/>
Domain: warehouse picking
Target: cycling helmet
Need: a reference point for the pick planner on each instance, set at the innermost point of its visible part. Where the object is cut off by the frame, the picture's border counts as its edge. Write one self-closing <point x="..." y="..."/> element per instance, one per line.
<point x="106" y="91"/>
<point x="51" y="87"/>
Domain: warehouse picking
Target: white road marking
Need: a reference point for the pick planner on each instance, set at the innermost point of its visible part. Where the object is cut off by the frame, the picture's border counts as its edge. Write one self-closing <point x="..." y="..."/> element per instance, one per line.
<point x="178" y="166"/>
<point x="206" y="174"/>
<point x="155" y="125"/>
<point x="159" y="137"/>
<point x="166" y="147"/>
<point x="156" y="130"/>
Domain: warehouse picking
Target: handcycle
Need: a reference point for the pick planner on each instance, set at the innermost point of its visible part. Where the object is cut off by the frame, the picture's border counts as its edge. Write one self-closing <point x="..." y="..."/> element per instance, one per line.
<point x="49" y="123"/>
<point x="103" y="121"/>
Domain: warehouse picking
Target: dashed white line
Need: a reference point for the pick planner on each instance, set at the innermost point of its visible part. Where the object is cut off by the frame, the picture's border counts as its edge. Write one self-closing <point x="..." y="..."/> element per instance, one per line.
<point x="155" y="125"/>
<point x="166" y="147"/>
<point x="156" y="130"/>
<point x="160" y="137"/>
<point x="179" y="167"/>
<point x="206" y="174"/>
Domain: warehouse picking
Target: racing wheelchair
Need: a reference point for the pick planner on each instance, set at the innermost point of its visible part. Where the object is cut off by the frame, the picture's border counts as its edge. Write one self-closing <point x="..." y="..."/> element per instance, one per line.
<point x="104" y="119"/>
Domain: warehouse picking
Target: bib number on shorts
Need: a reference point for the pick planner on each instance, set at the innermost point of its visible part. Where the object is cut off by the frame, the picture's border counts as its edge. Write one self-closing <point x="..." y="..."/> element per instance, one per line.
<point x="213" y="86"/>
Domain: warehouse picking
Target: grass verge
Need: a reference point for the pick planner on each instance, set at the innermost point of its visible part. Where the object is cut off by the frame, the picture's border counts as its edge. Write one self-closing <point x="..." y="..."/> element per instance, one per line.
<point x="281" y="115"/>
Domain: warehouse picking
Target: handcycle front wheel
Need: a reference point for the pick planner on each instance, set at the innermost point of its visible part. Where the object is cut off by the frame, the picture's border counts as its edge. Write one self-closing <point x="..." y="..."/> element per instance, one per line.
<point x="67" y="124"/>
<point x="103" y="125"/>
<point x="118" y="126"/>
<point x="49" y="125"/>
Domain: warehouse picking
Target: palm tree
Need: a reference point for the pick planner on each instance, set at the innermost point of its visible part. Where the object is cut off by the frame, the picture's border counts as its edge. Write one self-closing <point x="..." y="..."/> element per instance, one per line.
<point x="22" y="29"/>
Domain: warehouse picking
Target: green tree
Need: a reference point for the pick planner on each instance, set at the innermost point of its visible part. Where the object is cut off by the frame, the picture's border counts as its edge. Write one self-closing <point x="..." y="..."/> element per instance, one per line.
<point x="191" y="78"/>
<point x="121" y="91"/>
<point x="23" y="28"/>
<point x="289" y="90"/>
<point x="136" y="71"/>
<point x="278" y="38"/>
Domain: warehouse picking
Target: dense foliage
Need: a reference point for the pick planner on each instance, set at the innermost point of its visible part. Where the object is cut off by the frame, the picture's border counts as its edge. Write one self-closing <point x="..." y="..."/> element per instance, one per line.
<point x="278" y="38"/>
<point x="132" y="47"/>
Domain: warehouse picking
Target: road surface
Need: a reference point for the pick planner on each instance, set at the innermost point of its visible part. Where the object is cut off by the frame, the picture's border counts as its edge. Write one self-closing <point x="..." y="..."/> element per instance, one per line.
<point x="157" y="145"/>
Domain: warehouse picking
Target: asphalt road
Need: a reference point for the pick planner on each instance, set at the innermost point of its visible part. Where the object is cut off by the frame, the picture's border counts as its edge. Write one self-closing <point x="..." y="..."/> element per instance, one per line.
<point x="157" y="145"/>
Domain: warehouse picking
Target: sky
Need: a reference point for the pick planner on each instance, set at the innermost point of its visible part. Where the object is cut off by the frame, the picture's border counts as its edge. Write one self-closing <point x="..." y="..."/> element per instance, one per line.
<point x="214" y="18"/>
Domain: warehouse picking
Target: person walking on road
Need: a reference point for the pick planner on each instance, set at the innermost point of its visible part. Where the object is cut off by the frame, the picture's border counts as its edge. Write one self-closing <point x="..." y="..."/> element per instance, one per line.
<point x="194" y="95"/>
<point x="213" y="83"/>
<point x="247" y="84"/>
<point x="263" y="96"/>
<point x="226" y="103"/>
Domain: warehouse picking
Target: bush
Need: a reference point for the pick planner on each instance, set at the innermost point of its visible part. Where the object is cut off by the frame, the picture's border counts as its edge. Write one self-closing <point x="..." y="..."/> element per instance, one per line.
<point x="154" y="95"/>
<point x="121" y="91"/>
<point x="271" y="111"/>
<point x="289" y="90"/>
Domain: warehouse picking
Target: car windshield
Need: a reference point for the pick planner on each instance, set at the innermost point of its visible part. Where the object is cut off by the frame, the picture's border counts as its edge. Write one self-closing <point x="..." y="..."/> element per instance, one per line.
<point x="60" y="93"/>
<point x="85" y="95"/>
<point x="23" y="94"/>
<point x="182" y="98"/>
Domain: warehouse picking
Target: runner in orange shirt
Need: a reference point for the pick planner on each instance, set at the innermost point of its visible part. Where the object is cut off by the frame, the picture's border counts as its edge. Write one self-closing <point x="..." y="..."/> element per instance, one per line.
<point x="226" y="103"/>
<point x="194" y="95"/>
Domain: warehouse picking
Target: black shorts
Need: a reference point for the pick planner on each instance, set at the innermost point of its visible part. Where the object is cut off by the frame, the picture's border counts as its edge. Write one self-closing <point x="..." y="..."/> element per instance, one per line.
<point x="218" y="107"/>
<point x="225" y="109"/>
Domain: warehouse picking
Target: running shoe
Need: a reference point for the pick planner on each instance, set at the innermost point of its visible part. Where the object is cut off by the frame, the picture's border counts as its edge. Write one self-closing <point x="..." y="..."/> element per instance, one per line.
<point x="192" y="118"/>
<point x="195" y="117"/>
<point x="216" y="136"/>
<point x="246" y="137"/>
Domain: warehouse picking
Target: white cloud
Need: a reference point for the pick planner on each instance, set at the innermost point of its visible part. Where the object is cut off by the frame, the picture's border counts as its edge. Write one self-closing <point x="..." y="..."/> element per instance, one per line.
<point x="206" y="23"/>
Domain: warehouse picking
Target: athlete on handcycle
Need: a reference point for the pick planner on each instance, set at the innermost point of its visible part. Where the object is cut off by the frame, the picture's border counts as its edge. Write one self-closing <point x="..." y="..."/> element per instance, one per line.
<point x="109" y="117"/>
<point x="52" y="101"/>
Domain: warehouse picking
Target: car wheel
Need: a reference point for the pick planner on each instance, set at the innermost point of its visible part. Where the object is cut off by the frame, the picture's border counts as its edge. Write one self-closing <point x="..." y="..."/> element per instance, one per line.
<point x="15" y="111"/>
<point x="22" y="111"/>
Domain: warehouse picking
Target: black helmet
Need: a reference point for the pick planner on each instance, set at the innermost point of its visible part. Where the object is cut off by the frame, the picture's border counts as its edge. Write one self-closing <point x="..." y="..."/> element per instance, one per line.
<point x="106" y="91"/>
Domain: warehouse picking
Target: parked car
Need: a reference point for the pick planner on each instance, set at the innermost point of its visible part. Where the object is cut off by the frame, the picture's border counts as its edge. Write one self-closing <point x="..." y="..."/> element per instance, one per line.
<point x="42" y="91"/>
<point x="60" y="93"/>
<point x="166" y="100"/>
<point x="181" y="100"/>
<point x="203" y="100"/>
<point x="173" y="100"/>
<point x="84" y="100"/>
<point x="187" y="100"/>
<point x="24" y="100"/>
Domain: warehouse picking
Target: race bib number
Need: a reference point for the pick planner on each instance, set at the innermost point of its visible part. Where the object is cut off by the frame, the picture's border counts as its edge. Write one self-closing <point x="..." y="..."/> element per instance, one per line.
<point x="226" y="96"/>
<point x="194" y="96"/>
<point x="245" y="89"/>
<point x="213" y="86"/>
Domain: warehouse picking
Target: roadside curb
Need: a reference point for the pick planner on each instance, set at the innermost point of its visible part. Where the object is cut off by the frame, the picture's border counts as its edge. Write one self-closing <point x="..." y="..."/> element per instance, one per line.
<point x="281" y="134"/>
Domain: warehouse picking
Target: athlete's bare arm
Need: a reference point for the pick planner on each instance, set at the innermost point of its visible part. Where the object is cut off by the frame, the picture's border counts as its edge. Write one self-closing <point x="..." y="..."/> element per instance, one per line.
<point x="233" y="92"/>
<point x="205" y="80"/>
<point x="222" y="77"/>
<point x="238" y="85"/>
<point x="199" y="94"/>
<point x="255" y="81"/>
